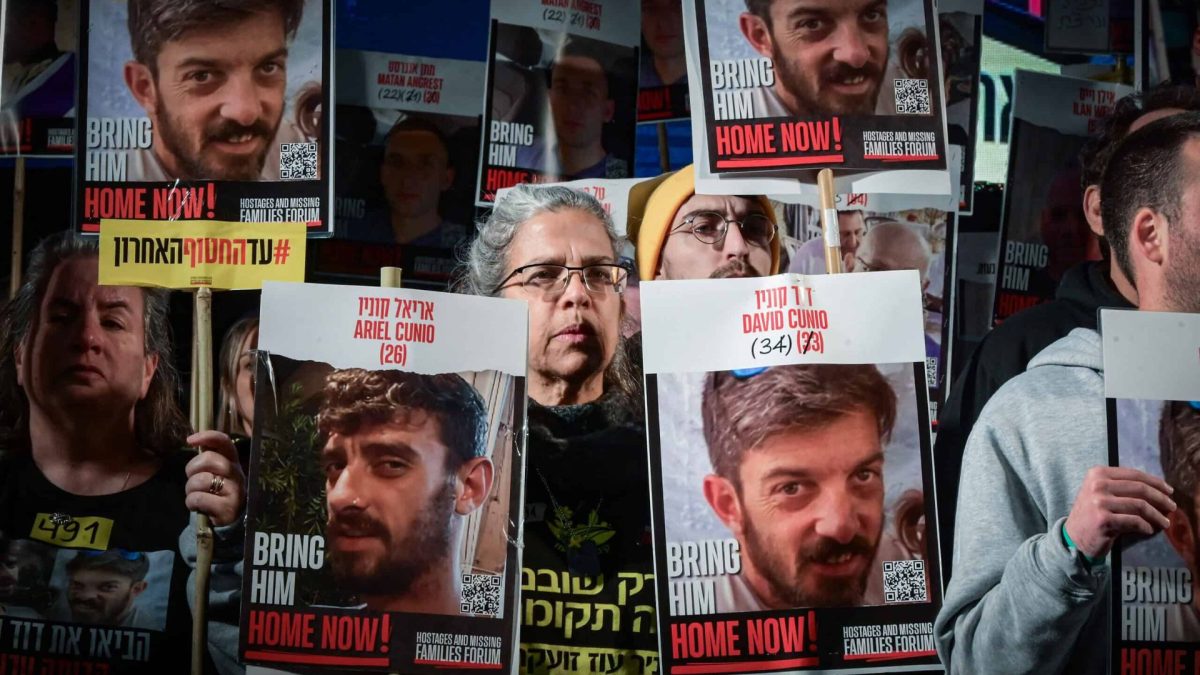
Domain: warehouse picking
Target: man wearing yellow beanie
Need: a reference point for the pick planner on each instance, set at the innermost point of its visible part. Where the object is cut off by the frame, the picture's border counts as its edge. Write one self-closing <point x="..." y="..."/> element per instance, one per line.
<point x="682" y="235"/>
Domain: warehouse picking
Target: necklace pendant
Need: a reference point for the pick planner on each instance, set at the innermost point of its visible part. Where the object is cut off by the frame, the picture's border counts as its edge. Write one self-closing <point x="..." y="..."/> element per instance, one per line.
<point x="61" y="519"/>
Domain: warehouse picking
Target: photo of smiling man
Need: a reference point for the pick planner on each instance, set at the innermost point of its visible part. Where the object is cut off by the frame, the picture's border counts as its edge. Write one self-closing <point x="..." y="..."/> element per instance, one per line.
<point x="197" y="91"/>
<point x="814" y="83"/>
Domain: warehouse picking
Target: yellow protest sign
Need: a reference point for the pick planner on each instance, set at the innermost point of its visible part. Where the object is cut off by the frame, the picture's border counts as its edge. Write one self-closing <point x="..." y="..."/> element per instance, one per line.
<point x="195" y="253"/>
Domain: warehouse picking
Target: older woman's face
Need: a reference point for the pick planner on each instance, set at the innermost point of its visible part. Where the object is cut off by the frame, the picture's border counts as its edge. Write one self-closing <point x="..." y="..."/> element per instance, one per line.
<point x="572" y="334"/>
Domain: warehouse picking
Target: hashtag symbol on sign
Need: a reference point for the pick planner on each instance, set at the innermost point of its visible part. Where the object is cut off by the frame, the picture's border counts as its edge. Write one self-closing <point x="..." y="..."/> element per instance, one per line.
<point x="282" y="250"/>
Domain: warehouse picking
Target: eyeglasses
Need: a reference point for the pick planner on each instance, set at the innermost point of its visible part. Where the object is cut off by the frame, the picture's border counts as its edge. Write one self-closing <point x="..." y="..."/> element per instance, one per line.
<point x="711" y="227"/>
<point x="550" y="280"/>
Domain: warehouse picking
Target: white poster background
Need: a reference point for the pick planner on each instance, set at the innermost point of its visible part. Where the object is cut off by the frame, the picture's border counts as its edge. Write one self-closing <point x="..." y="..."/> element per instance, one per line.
<point x="615" y="21"/>
<point x="1150" y="355"/>
<point x="458" y="94"/>
<point x="691" y="326"/>
<point x="316" y="322"/>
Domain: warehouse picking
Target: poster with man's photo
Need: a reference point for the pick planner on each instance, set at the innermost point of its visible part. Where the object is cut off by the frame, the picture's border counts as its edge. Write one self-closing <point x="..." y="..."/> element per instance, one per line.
<point x="1044" y="232"/>
<point x="1152" y="382"/>
<point x="878" y="233"/>
<point x="562" y="88"/>
<point x="662" y="73"/>
<point x="37" y="77"/>
<point x="408" y="131"/>
<point x="386" y="474"/>
<point x="792" y="487"/>
<point x="204" y="111"/>
<point x="844" y="84"/>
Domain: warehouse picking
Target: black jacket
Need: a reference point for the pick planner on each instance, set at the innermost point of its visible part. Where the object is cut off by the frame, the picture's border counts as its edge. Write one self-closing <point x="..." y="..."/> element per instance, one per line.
<point x="1002" y="355"/>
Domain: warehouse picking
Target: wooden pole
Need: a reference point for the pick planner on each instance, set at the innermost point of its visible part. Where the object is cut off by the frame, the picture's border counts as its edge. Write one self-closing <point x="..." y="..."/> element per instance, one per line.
<point x="18" y="226"/>
<point x="829" y="223"/>
<point x="664" y="151"/>
<point x="202" y="421"/>
<point x="389" y="277"/>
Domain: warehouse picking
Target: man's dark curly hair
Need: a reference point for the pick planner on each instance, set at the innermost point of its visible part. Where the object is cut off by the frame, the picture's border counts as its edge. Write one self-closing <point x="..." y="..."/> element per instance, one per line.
<point x="355" y="397"/>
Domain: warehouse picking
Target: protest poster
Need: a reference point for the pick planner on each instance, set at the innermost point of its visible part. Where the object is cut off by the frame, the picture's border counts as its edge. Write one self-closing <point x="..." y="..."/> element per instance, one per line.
<point x="204" y="112"/>
<point x="771" y="102"/>
<point x="803" y="385"/>
<point x="889" y="232"/>
<point x="960" y="36"/>
<point x="1044" y="232"/>
<point x="562" y="93"/>
<point x="406" y="175"/>
<point x="193" y="254"/>
<point x="1152" y="383"/>
<point x="662" y="75"/>
<point x="37" y="94"/>
<point x="386" y="480"/>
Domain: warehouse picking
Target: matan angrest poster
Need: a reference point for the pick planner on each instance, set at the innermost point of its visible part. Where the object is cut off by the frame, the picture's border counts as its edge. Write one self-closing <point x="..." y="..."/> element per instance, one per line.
<point x="204" y="111"/>
<point x="387" y="480"/>
<point x="792" y="487"/>
<point x="851" y="85"/>
<point x="1152" y="382"/>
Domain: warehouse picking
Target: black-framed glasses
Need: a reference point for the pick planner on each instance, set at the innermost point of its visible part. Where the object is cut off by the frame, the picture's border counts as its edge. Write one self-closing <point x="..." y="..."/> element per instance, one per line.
<point x="549" y="279"/>
<point x="711" y="227"/>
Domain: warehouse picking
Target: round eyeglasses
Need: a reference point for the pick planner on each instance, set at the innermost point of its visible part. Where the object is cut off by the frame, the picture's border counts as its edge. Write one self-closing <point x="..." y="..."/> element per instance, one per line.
<point x="551" y="280"/>
<point x="711" y="227"/>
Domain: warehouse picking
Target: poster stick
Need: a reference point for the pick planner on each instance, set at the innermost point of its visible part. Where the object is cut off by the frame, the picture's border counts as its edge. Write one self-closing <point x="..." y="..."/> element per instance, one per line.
<point x="389" y="277"/>
<point x="664" y="152"/>
<point x="829" y="223"/>
<point x="201" y="421"/>
<point x="18" y="225"/>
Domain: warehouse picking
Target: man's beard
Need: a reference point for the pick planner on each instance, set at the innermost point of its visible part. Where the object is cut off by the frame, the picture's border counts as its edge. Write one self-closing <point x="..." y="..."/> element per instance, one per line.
<point x="1183" y="276"/>
<point x="98" y="611"/>
<point x="426" y="544"/>
<point x="735" y="269"/>
<point x="811" y="102"/>
<point x="787" y="584"/>
<point x="190" y="161"/>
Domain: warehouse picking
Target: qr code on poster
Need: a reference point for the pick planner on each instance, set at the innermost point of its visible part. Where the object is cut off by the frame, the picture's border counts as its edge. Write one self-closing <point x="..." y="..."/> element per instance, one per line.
<point x="931" y="374"/>
<point x="297" y="161"/>
<point x="904" y="581"/>
<point x="480" y="594"/>
<point x="912" y="97"/>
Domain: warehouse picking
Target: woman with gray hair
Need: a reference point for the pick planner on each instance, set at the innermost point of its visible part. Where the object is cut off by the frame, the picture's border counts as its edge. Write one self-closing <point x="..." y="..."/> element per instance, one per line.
<point x="587" y="498"/>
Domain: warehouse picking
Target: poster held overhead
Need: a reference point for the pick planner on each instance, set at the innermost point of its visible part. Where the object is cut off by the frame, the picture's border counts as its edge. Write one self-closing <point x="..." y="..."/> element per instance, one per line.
<point x="387" y="481"/>
<point x="771" y="103"/>
<point x="561" y="92"/>
<point x="844" y="354"/>
<point x="1044" y="231"/>
<point x="205" y="114"/>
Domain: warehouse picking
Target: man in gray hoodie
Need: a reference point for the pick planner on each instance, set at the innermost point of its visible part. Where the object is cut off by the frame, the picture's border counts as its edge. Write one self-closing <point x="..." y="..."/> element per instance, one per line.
<point x="1040" y="508"/>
